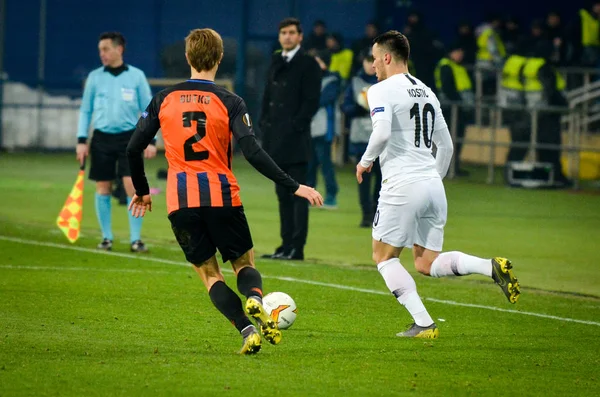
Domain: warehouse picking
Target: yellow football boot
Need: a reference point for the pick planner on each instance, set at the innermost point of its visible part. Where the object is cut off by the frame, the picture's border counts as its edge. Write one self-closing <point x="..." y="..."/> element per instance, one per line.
<point x="504" y="277"/>
<point x="268" y="327"/>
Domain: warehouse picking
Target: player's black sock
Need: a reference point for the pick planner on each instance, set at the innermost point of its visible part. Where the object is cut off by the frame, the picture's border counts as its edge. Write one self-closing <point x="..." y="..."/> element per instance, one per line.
<point x="229" y="303"/>
<point x="249" y="283"/>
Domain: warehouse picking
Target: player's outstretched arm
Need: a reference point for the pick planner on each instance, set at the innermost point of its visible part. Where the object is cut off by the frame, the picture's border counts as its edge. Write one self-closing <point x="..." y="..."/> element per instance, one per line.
<point x="241" y="126"/>
<point x="264" y="164"/>
<point x="309" y="193"/>
<point x="145" y="131"/>
<point x="139" y="205"/>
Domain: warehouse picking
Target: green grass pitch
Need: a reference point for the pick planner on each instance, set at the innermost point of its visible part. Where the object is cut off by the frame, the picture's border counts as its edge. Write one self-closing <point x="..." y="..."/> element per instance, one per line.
<point x="78" y="322"/>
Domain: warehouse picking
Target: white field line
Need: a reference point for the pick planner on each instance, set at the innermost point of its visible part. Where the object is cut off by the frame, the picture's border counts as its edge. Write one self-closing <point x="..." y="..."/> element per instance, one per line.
<point x="290" y="279"/>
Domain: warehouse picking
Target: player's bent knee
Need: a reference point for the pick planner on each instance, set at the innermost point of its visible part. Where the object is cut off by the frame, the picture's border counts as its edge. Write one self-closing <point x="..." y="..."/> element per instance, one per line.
<point x="423" y="266"/>
<point x="379" y="257"/>
<point x="209" y="272"/>
<point x="383" y="251"/>
<point x="246" y="260"/>
<point x="375" y="257"/>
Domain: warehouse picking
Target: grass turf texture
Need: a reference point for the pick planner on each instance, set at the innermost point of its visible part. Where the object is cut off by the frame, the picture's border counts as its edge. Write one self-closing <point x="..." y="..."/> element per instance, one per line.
<point x="79" y="322"/>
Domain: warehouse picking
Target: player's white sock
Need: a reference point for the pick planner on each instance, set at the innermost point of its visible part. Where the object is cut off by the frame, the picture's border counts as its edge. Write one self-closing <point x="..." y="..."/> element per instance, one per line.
<point x="403" y="286"/>
<point x="456" y="263"/>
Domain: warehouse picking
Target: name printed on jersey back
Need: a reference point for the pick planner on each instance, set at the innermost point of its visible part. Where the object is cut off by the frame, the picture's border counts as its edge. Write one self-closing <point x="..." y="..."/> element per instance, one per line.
<point x="417" y="93"/>
<point x="194" y="98"/>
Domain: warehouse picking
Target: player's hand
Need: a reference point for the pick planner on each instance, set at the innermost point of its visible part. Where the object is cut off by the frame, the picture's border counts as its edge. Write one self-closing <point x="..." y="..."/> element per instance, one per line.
<point x="361" y="170"/>
<point x="150" y="152"/>
<point x="310" y="194"/>
<point x="82" y="151"/>
<point x="139" y="205"/>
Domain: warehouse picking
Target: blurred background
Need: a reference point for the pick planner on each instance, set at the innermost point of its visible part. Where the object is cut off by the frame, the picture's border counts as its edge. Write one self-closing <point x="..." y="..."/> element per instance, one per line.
<point x="47" y="48"/>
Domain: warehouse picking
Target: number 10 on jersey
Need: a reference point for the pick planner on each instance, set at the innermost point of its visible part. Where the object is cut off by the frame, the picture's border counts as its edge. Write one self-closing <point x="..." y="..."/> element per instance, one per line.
<point x="423" y="125"/>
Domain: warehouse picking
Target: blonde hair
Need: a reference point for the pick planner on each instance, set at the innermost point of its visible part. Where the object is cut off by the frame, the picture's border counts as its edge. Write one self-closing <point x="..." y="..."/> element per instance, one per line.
<point x="204" y="48"/>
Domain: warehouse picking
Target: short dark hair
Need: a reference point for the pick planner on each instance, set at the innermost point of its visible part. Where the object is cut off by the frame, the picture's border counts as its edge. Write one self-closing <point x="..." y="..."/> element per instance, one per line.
<point x="394" y="42"/>
<point x="116" y="37"/>
<point x="289" y="22"/>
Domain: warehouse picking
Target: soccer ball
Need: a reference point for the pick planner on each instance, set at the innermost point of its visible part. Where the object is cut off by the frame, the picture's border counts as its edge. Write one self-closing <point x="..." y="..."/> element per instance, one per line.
<point x="281" y="307"/>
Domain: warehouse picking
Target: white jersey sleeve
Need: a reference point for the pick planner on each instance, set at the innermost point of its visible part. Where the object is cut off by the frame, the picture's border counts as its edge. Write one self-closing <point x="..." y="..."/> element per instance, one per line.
<point x="379" y="104"/>
<point x="381" y="117"/>
<point x="443" y="143"/>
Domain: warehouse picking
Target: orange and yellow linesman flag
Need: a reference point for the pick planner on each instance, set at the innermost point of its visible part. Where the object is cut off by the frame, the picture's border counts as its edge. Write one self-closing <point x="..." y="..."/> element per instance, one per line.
<point x="69" y="218"/>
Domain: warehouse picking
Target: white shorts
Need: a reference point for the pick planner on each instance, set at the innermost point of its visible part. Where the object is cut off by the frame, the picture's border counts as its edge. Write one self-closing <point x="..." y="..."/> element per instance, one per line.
<point x="412" y="214"/>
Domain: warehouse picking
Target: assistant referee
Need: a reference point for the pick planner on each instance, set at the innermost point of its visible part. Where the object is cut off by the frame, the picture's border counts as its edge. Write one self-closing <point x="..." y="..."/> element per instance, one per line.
<point x="114" y="96"/>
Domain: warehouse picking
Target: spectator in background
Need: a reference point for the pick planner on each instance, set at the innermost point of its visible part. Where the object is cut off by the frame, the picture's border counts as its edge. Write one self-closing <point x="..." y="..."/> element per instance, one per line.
<point x="544" y="86"/>
<point x="316" y="39"/>
<point x="556" y="35"/>
<point x="511" y="35"/>
<point x="325" y="126"/>
<point x="362" y="44"/>
<point x="290" y="101"/>
<point x="114" y="96"/>
<point x="172" y="60"/>
<point x="454" y="84"/>
<point x="466" y="41"/>
<point x="584" y="33"/>
<point x="356" y="108"/>
<point x="537" y="37"/>
<point x="511" y="99"/>
<point x="341" y="58"/>
<point x="426" y="49"/>
<point x="490" y="51"/>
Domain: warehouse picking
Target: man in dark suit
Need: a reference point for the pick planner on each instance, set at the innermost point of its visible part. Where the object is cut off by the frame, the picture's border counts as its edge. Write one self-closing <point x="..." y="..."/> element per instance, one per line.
<point x="290" y="101"/>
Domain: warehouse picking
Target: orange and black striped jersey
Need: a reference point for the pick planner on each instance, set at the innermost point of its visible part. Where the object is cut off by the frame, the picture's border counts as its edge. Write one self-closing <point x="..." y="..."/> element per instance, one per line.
<point x="198" y="120"/>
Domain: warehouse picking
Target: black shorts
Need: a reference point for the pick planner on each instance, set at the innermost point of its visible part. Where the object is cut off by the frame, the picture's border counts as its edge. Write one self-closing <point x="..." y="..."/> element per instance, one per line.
<point x="201" y="231"/>
<point x="108" y="156"/>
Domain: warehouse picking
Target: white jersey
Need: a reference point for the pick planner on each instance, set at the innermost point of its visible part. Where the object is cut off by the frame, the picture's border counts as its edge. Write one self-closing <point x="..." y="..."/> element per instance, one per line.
<point x="413" y="112"/>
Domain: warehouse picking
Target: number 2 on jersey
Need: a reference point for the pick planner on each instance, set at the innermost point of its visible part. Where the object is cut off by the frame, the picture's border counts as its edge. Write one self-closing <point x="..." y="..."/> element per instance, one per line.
<point x="427" y="134"/>
<point x="200" y="119"/>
